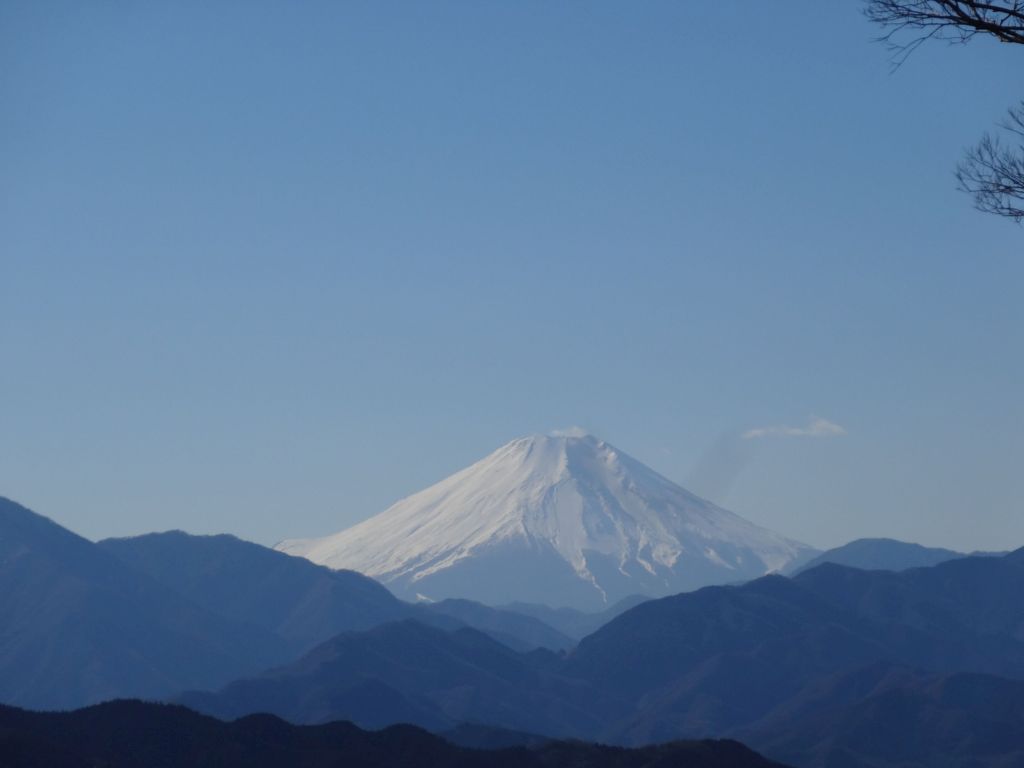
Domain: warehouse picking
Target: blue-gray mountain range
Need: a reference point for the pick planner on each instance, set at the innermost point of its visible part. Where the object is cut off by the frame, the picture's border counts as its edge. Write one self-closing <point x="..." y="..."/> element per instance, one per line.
<point x="928" y="660"/>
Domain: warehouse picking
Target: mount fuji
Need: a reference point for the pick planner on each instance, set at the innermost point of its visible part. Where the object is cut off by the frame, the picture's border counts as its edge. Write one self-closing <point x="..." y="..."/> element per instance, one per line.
<point x="559" y="520"/>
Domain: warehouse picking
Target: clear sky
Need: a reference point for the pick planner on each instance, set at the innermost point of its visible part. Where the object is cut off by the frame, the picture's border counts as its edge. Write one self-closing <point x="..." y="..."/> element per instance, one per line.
<point x="266" y="268"/>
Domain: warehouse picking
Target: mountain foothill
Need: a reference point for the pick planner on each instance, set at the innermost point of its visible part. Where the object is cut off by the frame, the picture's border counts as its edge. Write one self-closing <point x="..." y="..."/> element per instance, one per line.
<point x="717" y="643"/>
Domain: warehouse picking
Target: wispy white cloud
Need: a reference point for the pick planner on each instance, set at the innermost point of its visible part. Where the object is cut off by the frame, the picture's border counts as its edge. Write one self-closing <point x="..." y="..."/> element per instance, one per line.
<point x="816" y="427"/>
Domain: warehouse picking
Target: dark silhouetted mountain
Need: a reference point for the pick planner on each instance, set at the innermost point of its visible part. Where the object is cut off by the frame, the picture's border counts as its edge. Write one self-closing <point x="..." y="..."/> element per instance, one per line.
<point x="720" y="661"/>
<point x="722" y="658"/>
<point x="442" y="678"/>
<point x="128" y="734"/>
<point x="881" y="555"/>
<point x="805" y="668"/>
<point x="302" y="602"/>
<point x="884" y="716"/>
<point x="974" y="601"/>
<point x="665" y="642"/>
<point x="477" y="736"/>
<point x="79" y="626"/>
<point x="571" y="622"/>
<point x="290" y="596"/>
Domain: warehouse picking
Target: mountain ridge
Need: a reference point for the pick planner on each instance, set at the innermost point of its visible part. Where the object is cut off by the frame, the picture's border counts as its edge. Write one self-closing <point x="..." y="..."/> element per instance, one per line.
<point x="763" y="662"/>
<point x="881" y="554"/>
<point x="127" y="734"/>
<point x="80" y="626"/>
<point x="302" y="602"/>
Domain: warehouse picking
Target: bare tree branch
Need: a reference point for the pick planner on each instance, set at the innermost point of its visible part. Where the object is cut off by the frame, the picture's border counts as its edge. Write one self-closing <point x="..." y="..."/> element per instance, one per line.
<point x="993" y="171"/>
<point x="909" y="23"/>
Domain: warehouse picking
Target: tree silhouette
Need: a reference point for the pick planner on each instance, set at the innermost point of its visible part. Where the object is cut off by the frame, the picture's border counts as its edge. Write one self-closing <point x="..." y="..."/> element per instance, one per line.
<point x="993" y="170"/>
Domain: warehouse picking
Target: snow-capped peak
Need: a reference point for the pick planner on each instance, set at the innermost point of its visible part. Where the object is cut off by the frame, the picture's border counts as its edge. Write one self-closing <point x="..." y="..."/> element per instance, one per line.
<point x="546" y="510"/>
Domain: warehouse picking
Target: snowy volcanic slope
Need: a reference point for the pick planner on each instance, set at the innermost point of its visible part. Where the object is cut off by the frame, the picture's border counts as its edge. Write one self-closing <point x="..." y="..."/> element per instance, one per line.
<point x="557" y="520"/>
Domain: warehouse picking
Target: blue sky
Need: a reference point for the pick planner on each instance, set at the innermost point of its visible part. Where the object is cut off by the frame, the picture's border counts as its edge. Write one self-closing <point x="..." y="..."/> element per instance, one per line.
<point x="267" y="267"/>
